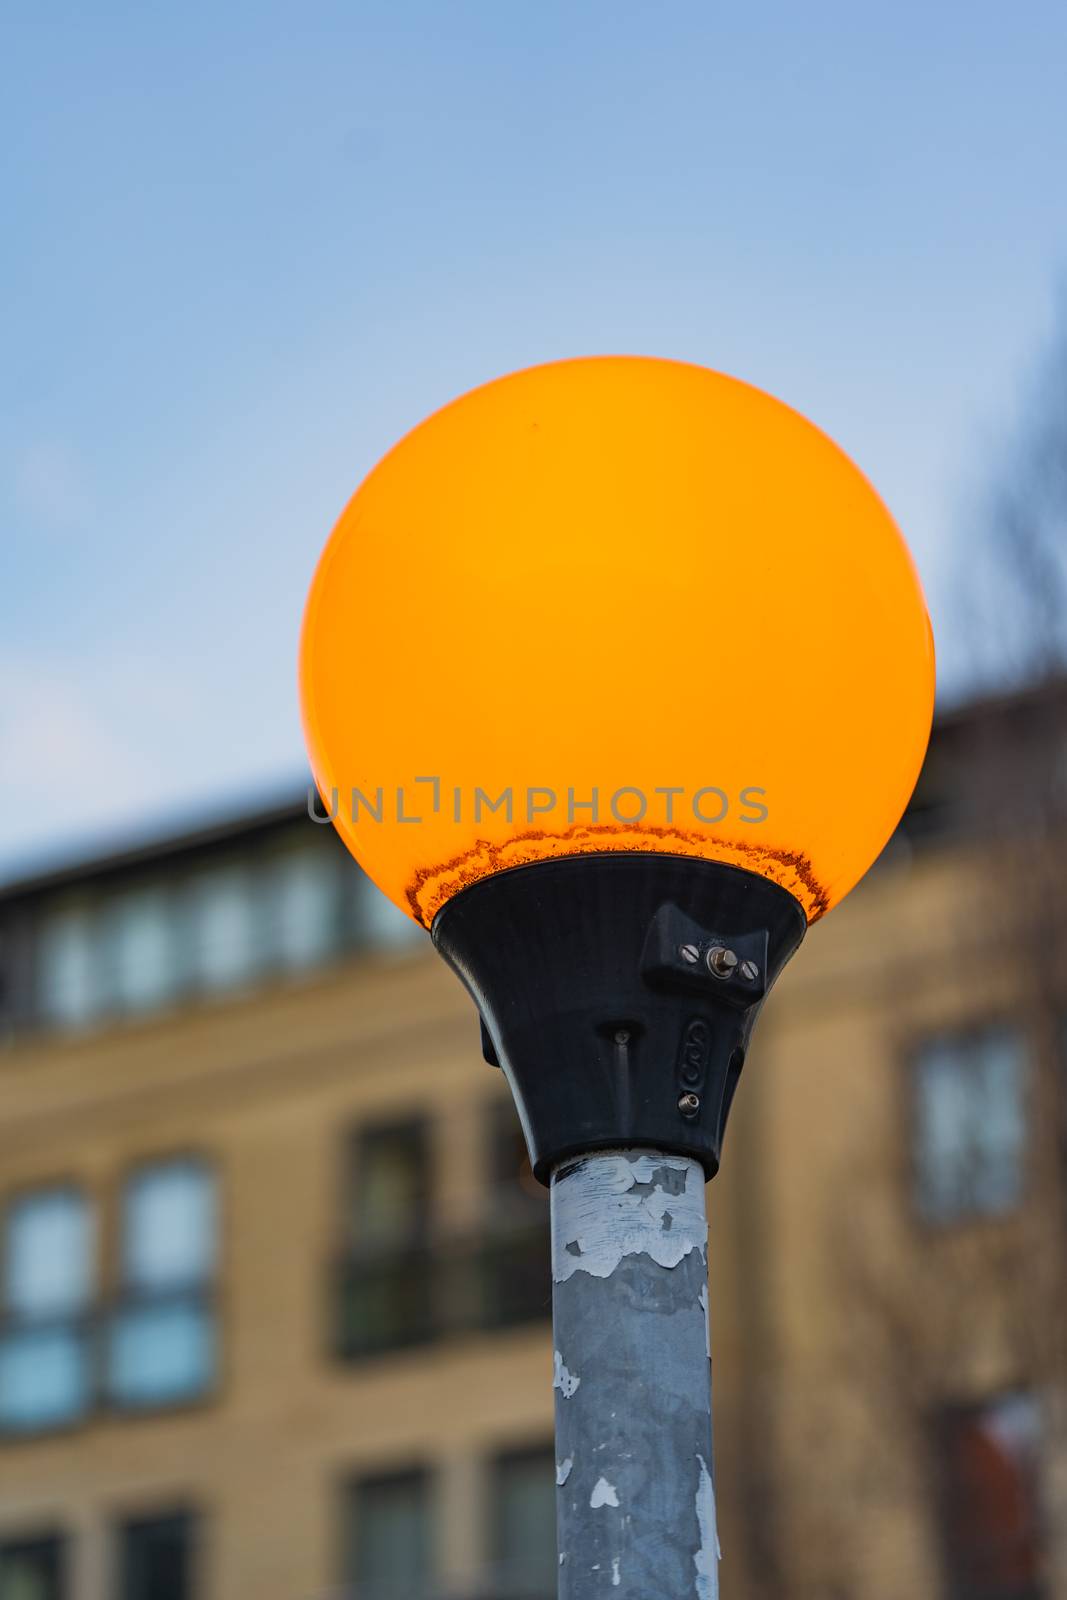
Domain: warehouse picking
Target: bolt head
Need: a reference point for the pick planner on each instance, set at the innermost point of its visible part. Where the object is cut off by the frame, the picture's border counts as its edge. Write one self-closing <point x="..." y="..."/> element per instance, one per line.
<point x="690" y="953"/>
<point x="721" y="962"/>
<point x="622" y="1036"/>
<point x="689" y="1104"/>
<point x="749" y="971"/>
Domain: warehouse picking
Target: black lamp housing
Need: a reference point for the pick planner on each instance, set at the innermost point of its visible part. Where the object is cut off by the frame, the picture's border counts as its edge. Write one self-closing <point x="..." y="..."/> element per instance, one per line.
<point x="618" y="992"/>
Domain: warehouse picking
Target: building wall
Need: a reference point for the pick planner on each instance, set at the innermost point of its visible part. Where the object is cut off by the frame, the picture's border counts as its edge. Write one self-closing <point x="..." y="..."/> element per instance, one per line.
<point x="831" y="1345"/>
<point x="268" y="1088"/>
<point x="878" y="1318"/>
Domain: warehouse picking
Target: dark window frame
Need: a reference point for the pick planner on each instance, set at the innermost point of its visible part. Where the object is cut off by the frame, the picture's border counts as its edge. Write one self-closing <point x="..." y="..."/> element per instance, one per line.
<point x="419" y="1472"/>
<point x="136" y="1521"/>
<point x="506" y="1566"/>
<point x="959" y="1565"/>
<point x="381" y="1291"/>
<point x="56" y="1540"/>
<point x="358" y="1140"/>
<point x="385" y="1297"/>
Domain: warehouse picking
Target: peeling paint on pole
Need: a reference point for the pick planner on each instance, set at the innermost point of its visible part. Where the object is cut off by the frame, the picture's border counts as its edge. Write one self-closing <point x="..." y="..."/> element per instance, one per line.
<point x="706" y="1559"/>
<point x="563" y="1380"/>
<point x="604" y="1494"/>
<point x="627" y="1205"/>
<point x="636" y="1506"/>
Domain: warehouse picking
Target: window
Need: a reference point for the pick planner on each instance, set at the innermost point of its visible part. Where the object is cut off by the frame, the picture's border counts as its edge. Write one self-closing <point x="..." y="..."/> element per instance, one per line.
<point x="515" y="1189"/>
<point x="383" y="925"/>
<point x="515" y="1280"/>
<point x="32" y="1569"/>
<point x="990" y="1523"/>
<point x="390" y="1185"/>
<point x="48" y="1256"/>
<point x="305" y="888"/>
<point x="44" y="1352"/>
<point x="169" y="1237"/>
<point x="970" y="1124"/>
<point x="162" y="1338"/>
<point x="523" y="1545"/>
<point x="224" y="936"/>
<point x="390" y="1536"/>
<point x="386" y="1287"/>
<point x="934" y="810"/>
<point x="141" y="942"/>
<point x="157" y="1558"/>
<point x="69" y="991"/>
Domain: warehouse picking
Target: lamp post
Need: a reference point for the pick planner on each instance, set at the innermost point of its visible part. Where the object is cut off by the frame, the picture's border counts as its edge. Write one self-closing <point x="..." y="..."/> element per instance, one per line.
<point x="616" y="675"/>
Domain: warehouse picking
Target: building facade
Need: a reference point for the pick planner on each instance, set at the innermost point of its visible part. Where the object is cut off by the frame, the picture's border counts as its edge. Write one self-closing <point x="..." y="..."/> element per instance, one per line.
<point x="274" y="1286"/>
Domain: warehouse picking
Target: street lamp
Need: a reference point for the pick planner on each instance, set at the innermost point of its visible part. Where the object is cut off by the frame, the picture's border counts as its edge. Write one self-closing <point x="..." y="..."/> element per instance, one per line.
<point x="616" y="674"/>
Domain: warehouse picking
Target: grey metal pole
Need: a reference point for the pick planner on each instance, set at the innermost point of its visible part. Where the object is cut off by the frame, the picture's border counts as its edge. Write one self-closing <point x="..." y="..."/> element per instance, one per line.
<point x="635" y="1502"/>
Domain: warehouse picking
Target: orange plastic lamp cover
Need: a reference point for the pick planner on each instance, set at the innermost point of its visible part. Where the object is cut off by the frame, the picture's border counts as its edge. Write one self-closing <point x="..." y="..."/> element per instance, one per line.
<point x="615" y="604"/>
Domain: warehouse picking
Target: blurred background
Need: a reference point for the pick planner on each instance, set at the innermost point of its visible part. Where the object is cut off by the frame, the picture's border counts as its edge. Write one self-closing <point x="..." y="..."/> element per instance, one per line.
<point x="274" y="1297"/>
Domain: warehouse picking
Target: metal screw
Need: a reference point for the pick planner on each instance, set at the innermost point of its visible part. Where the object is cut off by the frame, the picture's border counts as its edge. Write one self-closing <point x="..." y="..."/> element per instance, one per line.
<point x="721" y="961"/>
<point x="689" y="1104"/>
<point x="622" y="1037"/>
<point x="749" y="971"/>
<point x="690" y="953"/>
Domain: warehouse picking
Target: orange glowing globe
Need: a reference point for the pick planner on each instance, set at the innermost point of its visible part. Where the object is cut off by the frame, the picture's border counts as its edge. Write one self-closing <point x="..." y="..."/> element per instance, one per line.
<point x="615" y="604"/>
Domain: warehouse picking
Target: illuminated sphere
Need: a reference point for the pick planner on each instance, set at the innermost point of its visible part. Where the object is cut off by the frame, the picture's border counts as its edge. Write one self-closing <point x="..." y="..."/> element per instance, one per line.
<point x="622" y="578"/>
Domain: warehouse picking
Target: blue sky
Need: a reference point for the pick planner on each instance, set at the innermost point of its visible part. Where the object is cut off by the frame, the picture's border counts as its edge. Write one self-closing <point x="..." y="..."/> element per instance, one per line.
<point x="245" y="247"/>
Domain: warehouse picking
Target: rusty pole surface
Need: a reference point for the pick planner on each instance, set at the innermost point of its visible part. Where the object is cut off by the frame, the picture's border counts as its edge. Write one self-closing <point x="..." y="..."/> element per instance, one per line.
<point x="635" y="1502"/>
